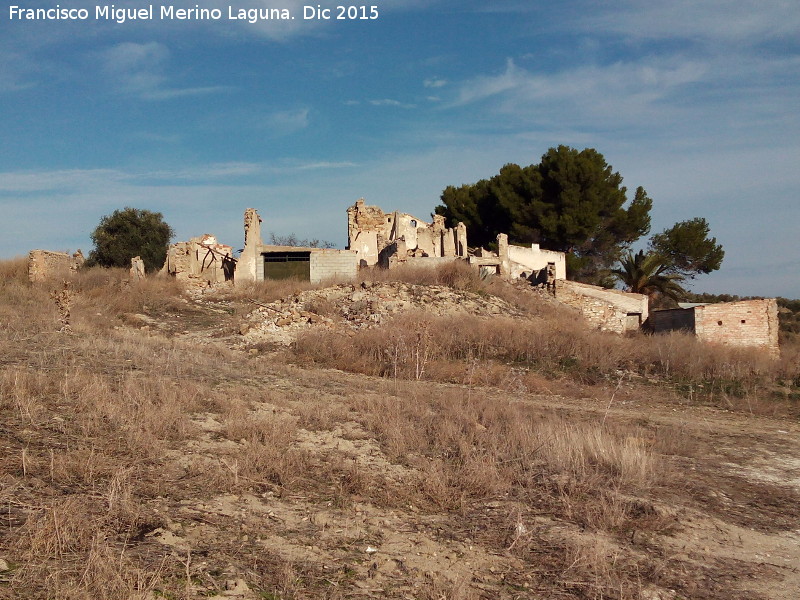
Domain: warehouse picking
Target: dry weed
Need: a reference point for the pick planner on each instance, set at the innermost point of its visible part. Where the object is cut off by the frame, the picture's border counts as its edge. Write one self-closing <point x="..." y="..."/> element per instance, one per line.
<point x="520" y="356"/>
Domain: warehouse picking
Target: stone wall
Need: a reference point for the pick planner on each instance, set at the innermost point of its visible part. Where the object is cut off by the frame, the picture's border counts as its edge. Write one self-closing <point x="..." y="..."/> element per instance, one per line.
<point x="44" y="264"/>
<point x="609" y="310"/>
<point x="250" y="267"/>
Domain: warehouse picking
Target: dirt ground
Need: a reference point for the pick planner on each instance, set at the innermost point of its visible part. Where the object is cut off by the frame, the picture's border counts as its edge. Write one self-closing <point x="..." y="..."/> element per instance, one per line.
<point x="322" y="507"/>
<point x="736" y="531"/>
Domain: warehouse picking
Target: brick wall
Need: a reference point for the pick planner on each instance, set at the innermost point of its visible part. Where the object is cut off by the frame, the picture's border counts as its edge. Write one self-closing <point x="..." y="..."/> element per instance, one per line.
<point x="333" y="264"/>
<point x="746" y="323"/>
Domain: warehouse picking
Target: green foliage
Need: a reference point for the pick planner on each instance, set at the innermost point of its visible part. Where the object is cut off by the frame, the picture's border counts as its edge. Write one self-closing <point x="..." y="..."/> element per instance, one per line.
<point x="648" y="274"/>
<point x="572" y="201"/>
<point x="127" y="233"/>
<point x="688" y="249"/>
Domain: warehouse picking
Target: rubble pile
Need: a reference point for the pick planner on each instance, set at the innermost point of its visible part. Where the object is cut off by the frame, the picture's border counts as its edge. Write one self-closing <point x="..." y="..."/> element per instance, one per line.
<point x="363" y="305"/>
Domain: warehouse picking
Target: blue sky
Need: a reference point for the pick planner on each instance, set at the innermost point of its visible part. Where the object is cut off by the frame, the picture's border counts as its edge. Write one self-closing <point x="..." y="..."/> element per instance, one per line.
<point x="199" y="119"/>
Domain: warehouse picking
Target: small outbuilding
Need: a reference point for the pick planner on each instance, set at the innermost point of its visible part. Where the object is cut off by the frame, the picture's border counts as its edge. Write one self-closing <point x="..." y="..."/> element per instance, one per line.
<point x="748" y="323"/>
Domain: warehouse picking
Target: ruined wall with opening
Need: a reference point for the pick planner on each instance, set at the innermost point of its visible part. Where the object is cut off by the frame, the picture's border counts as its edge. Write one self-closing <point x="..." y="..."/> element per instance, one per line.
<point x="527" y="261"/>
<point x="747" y="323"/>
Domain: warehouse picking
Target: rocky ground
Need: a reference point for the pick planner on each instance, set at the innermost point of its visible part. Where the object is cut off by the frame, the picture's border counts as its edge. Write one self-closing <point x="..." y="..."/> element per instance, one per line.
<point x="361" y="306"/>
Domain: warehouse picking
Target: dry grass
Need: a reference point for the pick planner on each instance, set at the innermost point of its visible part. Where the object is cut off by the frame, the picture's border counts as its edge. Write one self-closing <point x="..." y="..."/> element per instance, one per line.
<point x="517" y="354"/>
<point x="112" y="434"/>
<point x="15" y="269"/>
<point x="469" y="449"/>
<point x="457" y="275"/>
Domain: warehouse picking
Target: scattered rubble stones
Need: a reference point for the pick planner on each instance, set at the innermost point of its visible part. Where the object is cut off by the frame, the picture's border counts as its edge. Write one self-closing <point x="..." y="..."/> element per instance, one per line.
<point x="362" y="305"/>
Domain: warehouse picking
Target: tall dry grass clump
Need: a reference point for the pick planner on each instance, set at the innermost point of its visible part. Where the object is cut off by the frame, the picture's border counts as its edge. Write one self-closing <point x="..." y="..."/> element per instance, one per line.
<point x="13" y="270"/>
<point x="477" y="448"/>
<point x="110" y="293"/>
<point x="70" y="549"/>
<point x="456" y="274"/>
<point x="25" y="309"/>
<point x="93" y="299"/>
<point x="468" y="349"/>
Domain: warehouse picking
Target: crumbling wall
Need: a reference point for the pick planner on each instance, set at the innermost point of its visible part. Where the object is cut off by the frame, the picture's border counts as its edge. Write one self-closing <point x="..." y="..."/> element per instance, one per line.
<point x="201" y="258"/>
<point x="45" y="264"/>
<point x="609" y="310"/>
<point x="250" y="266"/>
<point x="136" y="272"/>
<point x="371" y="232"/>
<point x="532" y="263"/>
<point x="514" y="262"/>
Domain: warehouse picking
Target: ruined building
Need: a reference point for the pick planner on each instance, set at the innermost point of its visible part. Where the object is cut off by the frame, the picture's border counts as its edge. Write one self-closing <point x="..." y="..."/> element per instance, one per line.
<point x="201" y="259"/>
<point x="260" y="261"/>
<point x="752" y="323"/>
<point x="514" y="262"/>
<point x="395" y="238"/>
<point x="45" y="264"/>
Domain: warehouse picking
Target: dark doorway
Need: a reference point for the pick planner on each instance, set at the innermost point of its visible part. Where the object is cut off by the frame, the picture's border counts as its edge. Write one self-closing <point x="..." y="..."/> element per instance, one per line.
<point x="287" y="265"/>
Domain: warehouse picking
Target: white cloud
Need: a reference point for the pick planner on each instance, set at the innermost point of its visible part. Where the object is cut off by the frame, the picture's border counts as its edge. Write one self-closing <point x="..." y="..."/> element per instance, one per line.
<point x="434" y="82"/>
<point x="204" y="172"/>
<point x="158" y="138"/>
<point x="283" y="122"/>
<point x="15" y="71"/>
<point x="64" y="180"/>
<point x="625" y="89"/>
<point x="130" y="57"/>
<point x="68" y="181"/>
<point x="742" y="21"/>
<point x="324" y="165"/>
<point x="138" y="69"/>
<point x="391" y="102"/>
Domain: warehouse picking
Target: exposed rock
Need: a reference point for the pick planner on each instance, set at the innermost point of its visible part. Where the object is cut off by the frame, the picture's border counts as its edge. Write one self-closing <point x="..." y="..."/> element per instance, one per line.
<point x="137" y="269"/>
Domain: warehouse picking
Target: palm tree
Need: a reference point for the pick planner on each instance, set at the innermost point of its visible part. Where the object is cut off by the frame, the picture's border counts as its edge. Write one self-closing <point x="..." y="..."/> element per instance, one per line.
<point x="646" y="274"/>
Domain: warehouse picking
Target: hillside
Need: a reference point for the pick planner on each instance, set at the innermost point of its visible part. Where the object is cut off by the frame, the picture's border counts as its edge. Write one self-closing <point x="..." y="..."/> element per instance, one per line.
<point x="438" y="437"/>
